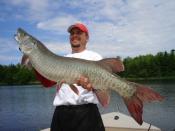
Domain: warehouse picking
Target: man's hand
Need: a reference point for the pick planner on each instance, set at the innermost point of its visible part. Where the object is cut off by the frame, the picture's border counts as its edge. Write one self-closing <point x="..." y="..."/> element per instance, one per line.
<point x="85" y="83"/>
<point x="82" y="81"/>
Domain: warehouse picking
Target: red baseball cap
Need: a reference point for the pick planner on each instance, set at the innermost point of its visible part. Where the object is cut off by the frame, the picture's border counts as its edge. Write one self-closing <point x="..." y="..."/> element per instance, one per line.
<point x="80" y="26"/>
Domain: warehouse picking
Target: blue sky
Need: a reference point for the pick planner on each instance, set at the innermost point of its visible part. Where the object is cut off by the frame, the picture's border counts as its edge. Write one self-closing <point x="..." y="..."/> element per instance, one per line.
<point x="117" y="27"/>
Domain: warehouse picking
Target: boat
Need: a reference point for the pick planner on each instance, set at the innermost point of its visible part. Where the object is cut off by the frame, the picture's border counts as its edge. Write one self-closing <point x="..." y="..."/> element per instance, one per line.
<point x="117" y="121"/>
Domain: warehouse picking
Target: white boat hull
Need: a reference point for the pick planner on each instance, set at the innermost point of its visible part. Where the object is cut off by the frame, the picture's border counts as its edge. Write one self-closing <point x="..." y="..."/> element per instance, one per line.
<point x="125" y="123"/>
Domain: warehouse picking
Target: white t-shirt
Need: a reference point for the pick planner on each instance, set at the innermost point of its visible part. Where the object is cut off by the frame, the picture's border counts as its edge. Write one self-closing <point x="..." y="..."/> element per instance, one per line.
<point x="65" y="95"/>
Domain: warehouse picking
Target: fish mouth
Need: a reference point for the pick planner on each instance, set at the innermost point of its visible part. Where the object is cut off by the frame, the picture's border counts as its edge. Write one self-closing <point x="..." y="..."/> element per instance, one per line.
<point x="23" y="39"/>
<point x="16" y="37"/>
<point x="20" y="35"/>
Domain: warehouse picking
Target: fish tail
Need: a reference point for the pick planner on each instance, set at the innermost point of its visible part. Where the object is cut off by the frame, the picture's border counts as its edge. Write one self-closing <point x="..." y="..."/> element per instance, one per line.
<point x="135" y="102"/>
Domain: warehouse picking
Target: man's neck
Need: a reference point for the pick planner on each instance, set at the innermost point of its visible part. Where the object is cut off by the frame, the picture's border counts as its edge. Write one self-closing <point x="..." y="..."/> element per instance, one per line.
<point x="78" y="51"/>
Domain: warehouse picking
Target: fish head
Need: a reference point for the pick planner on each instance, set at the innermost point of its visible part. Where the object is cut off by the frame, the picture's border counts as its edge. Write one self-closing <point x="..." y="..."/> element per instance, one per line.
<point x="26" y="42"/>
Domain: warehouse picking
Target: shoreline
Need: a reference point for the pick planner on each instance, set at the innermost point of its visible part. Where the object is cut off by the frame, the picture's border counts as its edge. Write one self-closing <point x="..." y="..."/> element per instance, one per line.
<point x="16" y="84"/>
<point x="152" y="79"/>
<point x="169" y="79"/>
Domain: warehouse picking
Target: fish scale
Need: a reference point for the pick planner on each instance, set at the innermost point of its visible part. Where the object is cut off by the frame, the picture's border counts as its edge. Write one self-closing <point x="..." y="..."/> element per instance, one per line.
<point x="51" y="69"/>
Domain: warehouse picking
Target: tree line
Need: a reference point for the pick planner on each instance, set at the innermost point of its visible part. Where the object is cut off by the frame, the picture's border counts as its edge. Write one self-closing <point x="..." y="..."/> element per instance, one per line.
<point x="15" y="74"/>
<point x="161" y="65"/>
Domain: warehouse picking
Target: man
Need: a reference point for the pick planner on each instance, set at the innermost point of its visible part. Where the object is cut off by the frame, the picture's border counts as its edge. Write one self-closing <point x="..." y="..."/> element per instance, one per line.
<point x="76" y="106"/>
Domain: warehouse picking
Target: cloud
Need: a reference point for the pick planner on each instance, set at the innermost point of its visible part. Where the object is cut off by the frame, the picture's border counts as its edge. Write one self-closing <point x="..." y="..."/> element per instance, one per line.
<point x="9" y="59"/>
<point x="147" y="28"/>
<point x="58" y="24"/>
<point x="30" y="10"/>
<point x="58" y="48"/>
<point x="7" y="45"/>
<point x="9" y="52"/>
<point x="122" y="27"/>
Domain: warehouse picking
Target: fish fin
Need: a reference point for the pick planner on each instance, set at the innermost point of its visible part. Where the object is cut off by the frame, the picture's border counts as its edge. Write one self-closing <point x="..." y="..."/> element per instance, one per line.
<point x="135" y="102"/>
<point x="135" y="108"/>
<point x="74" y="89"/>
<point x="44" y="81"/>
<point x="103" y="97"/>
<point x="147" y="94"/>
<point x="25" y="61"/>
<point x="114" y="65"/>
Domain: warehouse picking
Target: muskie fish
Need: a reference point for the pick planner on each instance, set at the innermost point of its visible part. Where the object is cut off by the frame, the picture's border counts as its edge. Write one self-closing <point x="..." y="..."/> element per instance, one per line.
<point x="52" y="69"/>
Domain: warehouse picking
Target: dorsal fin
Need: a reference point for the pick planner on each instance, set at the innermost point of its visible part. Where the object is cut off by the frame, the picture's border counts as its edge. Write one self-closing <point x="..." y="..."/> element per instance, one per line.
<point x="112" y="64"/>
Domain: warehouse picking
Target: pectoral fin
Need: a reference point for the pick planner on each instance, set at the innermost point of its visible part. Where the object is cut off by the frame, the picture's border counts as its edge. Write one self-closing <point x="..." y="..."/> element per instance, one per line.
<point x="44" y="81"/>
<point x="103" y="97"/>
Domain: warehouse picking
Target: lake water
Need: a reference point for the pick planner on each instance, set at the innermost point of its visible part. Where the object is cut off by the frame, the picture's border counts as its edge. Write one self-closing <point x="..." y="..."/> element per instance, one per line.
<point x="29" y="108"/>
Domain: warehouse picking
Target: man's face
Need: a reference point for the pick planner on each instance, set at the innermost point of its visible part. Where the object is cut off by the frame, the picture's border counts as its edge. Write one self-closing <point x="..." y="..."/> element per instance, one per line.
<point x="78" y="40"/>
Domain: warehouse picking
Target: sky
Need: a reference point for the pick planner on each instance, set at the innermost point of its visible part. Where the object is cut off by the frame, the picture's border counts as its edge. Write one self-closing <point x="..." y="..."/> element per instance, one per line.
<point x="125" y="28"/>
